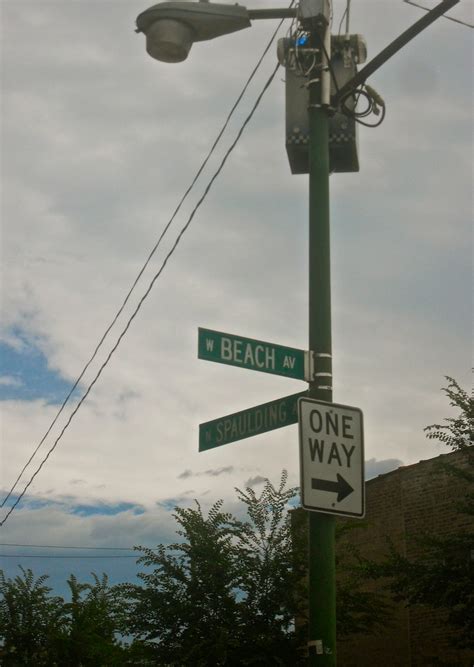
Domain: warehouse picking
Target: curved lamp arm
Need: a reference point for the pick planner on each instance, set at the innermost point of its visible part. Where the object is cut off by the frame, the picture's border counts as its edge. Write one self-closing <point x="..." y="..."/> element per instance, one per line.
<point x="172" y="27"/>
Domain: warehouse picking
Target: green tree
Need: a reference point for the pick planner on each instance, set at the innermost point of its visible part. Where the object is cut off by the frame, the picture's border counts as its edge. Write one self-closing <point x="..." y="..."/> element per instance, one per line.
<point x="271" y="572"/>
<point x="30" y="620"/>
<point x="186" y="608"/>
<point x="358" y="610"/>
<point x="443" y="576"/>
<point x="223" y="594"/>
<point x="92" y="618"/>
<point x="233" y="590"/>
<point x="458" y="432"/>
<point x="37" y="628"/>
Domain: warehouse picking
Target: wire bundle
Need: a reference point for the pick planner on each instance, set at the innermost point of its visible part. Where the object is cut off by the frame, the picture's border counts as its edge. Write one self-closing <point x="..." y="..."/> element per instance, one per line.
<point x="374" y="104"/>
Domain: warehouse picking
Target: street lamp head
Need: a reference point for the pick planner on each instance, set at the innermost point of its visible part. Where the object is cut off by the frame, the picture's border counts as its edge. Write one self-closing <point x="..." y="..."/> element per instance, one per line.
<point x="172" y="27"/>
<point x="169" y="41"/>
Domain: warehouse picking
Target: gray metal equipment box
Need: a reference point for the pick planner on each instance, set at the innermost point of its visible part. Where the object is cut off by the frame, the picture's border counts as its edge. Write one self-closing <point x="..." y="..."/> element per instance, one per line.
<point x="343" y="150"/>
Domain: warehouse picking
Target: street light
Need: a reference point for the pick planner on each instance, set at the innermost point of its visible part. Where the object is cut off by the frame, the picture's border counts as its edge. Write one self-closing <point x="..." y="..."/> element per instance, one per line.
<point x="170" y="29"/>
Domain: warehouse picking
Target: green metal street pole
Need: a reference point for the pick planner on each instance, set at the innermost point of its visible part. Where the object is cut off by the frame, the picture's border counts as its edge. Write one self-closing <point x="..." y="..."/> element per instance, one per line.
<point x="171" y="28"/>
<point x="322" y="569"/>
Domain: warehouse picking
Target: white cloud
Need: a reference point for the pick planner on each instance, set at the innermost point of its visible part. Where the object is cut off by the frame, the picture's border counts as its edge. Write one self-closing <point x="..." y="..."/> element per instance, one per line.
<point x="99" y="143"/>
<point x="9" y="381"/>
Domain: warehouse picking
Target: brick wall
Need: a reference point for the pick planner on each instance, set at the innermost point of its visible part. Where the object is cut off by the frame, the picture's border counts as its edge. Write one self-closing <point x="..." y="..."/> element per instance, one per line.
<point x="402" y="505"/>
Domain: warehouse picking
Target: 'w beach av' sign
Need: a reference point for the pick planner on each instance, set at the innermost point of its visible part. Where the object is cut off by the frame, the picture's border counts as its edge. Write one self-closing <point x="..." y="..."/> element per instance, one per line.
<point x="252" y="354"/>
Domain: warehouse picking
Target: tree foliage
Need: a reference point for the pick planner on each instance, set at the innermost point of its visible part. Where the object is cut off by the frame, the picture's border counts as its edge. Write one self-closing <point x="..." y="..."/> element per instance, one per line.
<point x="88" y="635"/>
<point x="186" y="608"/>
<point x="457" y="432"/>
<point x="30" y="620"/>
<point x="227" y="592"/>
<point x="222" y="595"/>
<point x="233" y="591"/>
<point x="271" y="574"/>
<point x="442" y="577"/>
<point x="358" y="610"/>
<point x="37" y="628"/>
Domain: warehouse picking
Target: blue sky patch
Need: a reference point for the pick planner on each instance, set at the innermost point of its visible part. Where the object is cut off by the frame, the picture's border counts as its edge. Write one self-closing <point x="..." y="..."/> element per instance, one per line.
<point x="106" y="510"/>
<point x="25" y="375"/>
<point x="170" y="504"/>
<point x="73" y="507"/>
<point x="31" y="502"/>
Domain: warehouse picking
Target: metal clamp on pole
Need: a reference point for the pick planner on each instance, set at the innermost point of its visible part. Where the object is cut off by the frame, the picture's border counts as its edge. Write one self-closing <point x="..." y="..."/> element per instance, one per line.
<point x="322" y="376"/>
<point x="326" y="378"/>
<point x="318" y="369"/>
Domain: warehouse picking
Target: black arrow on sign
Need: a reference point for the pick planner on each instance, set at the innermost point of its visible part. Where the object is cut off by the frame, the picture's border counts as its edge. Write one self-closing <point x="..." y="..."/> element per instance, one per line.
<point x="341" y="487"/>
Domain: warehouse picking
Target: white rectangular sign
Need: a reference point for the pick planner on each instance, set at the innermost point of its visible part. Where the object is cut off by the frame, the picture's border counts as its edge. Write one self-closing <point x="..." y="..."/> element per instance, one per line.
<point x="331" y="457"/>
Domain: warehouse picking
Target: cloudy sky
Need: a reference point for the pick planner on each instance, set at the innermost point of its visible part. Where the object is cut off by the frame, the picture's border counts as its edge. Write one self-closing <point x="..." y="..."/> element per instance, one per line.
<point x="99" y="143"/>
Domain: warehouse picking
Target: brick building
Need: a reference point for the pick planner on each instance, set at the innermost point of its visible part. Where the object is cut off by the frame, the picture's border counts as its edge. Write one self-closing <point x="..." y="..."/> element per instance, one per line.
<point x="402" y="505"/>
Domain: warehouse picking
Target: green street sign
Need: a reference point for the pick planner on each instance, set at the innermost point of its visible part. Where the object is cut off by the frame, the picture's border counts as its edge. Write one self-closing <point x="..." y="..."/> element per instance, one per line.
<point x="253" y="354"/>
<point x="240" y="425"/>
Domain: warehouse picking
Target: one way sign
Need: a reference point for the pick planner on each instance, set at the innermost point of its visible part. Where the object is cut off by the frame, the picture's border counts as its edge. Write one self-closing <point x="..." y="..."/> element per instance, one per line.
<point x="331" y="458"/>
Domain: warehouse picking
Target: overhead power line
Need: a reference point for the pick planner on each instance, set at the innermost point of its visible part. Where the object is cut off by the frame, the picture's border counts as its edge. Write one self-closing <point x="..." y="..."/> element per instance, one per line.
<point x="63" y="556"/>
<point x="449" y="18"/>
<point x="150" y="256"/>
<point x="64" y="546"/>
<point x="346" y="15"/>
<point x="147" y="292"/>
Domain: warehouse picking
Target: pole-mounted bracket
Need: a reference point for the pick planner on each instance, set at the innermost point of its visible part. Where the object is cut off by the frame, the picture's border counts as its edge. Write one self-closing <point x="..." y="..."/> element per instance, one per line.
<point x="318" y="369"/>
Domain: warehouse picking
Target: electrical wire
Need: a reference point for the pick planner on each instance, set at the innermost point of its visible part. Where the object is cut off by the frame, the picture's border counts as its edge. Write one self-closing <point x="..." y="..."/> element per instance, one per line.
<point x="148" y="290"/>
<point x="64" y="546"/>
<point x="62" y="556"/>
<point x="151" y="254"/>
<point x="346" y="15"/>
<point x="342" y="21"/>
<point x="330" y="67"/>
<point x="449" y="18"/>
<point x="304" y="61"/>
<point x="375" y="105"/>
